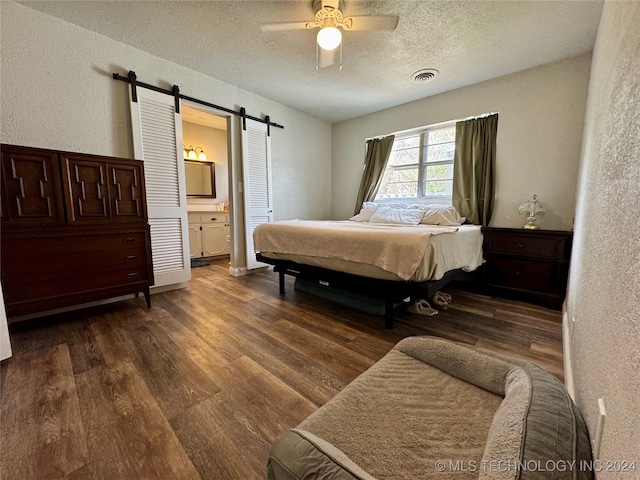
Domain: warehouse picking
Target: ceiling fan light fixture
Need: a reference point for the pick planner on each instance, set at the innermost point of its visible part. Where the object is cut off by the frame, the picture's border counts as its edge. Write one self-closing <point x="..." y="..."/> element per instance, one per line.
<point x="329" y="38"/>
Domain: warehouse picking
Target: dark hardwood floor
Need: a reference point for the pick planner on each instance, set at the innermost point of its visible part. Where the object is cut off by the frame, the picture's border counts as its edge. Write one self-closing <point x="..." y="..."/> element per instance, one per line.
<point x="199" y="385"/>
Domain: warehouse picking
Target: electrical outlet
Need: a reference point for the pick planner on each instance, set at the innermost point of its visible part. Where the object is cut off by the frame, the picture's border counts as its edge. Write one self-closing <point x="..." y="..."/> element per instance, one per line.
<point x="597" y="434"/>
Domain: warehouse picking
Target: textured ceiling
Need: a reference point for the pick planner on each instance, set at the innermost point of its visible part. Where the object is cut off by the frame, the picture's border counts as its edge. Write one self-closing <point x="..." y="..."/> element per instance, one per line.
<point x="467" y="41"/>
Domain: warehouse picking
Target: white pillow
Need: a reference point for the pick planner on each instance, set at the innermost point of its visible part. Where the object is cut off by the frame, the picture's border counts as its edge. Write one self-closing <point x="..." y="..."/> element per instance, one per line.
<point x="404" y="216"/>
<point x="366" y="212"/>
<point x="410" y="206"/>
<point x="441" y="215"/>
<point x="368" y="209"/>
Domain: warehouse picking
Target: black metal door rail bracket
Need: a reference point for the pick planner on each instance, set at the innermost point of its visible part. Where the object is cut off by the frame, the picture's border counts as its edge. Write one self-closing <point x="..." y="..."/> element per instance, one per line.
<point x="132" y="79"/>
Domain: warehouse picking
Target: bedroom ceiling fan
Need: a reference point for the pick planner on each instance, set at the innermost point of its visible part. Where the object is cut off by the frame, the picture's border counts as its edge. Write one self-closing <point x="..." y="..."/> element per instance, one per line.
<point x="330" y="20"/>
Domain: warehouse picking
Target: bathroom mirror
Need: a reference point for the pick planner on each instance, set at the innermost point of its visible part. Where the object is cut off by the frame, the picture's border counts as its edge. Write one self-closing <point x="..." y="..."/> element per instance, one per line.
<point x="200" y="178"/>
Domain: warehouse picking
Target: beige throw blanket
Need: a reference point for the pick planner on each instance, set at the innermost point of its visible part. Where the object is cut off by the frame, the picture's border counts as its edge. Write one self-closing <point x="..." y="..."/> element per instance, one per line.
<point x="398" y="249"/>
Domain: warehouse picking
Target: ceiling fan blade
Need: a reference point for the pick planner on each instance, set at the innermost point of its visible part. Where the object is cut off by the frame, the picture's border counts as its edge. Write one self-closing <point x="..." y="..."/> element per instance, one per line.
<point x="326" y="58"/>
<point x="373" y="22"/>
<point x="283" y="26"/>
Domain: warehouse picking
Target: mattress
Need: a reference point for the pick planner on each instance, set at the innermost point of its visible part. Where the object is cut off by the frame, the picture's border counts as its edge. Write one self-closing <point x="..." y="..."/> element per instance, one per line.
<point x="459" y="248"/>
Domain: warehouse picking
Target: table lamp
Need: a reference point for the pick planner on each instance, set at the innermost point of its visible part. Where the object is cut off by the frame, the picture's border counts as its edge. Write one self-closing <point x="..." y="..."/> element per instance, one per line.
<point x="533" y="208"/>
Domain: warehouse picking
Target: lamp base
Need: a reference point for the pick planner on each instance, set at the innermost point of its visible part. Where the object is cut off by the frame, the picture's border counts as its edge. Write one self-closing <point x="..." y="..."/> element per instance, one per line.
<point x="531" y="226"/>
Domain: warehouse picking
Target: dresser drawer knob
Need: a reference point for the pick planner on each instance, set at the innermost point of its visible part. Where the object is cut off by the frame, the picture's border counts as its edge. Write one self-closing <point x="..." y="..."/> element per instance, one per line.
<point x="214" y="219"/>
<point x="517" y="272"/>
<point x="520" y="245"/>
<point x="130" y="239"/>
<point x="130" y="257"/>
<point x="132" y="275"/>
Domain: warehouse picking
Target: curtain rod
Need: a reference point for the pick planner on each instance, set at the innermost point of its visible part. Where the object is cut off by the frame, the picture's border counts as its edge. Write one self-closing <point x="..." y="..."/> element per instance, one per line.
<point x="131" y="79"/>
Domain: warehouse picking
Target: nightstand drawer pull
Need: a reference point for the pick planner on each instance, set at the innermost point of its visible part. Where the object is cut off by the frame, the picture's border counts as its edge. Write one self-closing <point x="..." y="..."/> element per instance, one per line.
<point x="518" y="272"/>
<point x="520" y="245"/>
<point x="130" y="239"/>
<point x="132" y="275"/>
<point x="214" y="219"/>
<point x="130" y="257"/>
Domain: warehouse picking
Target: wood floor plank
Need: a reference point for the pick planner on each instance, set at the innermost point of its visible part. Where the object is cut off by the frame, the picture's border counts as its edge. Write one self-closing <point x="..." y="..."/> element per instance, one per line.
<point x="344" y="362"/>
<point x="84" y="351"/>
<point x="204" y="354"/>
<point x="551" y="366"/>
<point x="176" y="382"/>
<point x="123" y="421"/>
<point x="194" y="315"/>
<point x="221" y="442"/>
<point x="272" y="404"/>
<point x="313" y="380"/>
<point x="42" y="434"/>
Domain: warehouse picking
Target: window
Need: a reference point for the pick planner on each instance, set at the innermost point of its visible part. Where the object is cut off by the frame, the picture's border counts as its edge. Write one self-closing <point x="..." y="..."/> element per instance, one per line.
<point x="420" y="165"/>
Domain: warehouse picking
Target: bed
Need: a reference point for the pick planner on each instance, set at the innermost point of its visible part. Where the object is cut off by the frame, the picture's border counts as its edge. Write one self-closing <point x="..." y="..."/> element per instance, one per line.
<point x="388" y="261"/>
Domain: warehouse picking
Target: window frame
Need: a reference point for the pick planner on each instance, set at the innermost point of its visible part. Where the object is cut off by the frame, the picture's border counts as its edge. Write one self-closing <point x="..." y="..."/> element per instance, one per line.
<point x="423" y="152"/>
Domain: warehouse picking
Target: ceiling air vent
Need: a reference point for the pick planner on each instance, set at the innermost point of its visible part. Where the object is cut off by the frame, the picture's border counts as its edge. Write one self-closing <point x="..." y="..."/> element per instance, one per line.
<point x="425" y="75"/>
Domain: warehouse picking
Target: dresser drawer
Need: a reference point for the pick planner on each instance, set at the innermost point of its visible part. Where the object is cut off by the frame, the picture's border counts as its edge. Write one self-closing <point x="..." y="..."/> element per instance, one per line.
<point x="47" y="246"/>
<point x="522" y="244"/>
<point x="48" y="265"/>
<point x="112" y="241"/>
<point x="215" y="217"/>
<point x="209" y="217"/>
<point x="17" y="291"/>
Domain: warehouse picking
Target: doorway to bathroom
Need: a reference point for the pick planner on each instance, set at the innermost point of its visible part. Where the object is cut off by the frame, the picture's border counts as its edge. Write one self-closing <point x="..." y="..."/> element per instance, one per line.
<point x="207" y="165"/>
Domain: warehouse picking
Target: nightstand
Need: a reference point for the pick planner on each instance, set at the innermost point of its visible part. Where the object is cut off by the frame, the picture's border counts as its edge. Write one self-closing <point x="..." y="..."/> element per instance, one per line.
<point x="534" y="264"/>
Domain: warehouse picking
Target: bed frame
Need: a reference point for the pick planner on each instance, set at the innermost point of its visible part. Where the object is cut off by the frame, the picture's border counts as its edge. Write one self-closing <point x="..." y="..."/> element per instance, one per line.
<point x="391" y="291"/>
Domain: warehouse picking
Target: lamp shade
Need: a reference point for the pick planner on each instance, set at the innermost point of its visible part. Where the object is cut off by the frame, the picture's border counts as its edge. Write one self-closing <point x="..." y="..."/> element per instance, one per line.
<point x="329" y="38"/>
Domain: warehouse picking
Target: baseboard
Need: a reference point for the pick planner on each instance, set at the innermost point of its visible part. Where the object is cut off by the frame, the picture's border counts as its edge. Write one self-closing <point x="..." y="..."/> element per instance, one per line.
<point x="237" y="271"/>
<point x="166" y="288"/>
<point x="566" y="352"/>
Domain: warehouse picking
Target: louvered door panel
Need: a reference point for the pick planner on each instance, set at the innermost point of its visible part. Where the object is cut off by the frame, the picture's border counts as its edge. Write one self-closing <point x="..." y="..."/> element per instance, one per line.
<point x="166" y="233"/>
<point x="160" y="156"/>
<point x="157" y="133"/>
<point x="258" y="198"/>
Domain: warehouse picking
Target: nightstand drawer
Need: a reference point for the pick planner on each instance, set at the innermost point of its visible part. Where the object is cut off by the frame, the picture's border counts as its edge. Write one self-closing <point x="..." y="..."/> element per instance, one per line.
<point x="522" y="244"/>
<point x="521" y="274"/>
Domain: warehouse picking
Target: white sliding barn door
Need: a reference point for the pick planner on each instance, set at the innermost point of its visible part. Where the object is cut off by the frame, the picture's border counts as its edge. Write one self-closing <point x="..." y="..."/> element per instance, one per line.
<point x="258" y="198"/>
<point x="157" y="140"/>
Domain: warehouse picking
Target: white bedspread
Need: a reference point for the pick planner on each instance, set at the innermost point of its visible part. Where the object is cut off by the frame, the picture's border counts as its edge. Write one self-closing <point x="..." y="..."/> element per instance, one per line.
<point x="396" y="252"/>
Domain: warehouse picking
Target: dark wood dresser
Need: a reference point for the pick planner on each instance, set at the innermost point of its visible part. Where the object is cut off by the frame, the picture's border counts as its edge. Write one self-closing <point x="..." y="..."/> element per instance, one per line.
<point x="74" y="229"/>
<point x="534" y="264"/>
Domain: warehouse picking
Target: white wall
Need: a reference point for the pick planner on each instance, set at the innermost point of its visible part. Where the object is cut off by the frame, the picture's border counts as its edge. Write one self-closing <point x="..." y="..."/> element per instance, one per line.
<point x="604" y="287"/>
<point x="538" y="146"/>
<point x="5" y="343"/>
<point x="214" y="143"/>
<point x="57" y="92"/>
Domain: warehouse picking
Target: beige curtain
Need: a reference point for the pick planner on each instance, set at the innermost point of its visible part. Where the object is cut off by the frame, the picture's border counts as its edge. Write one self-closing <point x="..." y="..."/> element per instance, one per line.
<point x="375" y="161"/>
<point x="474" y="168"/>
